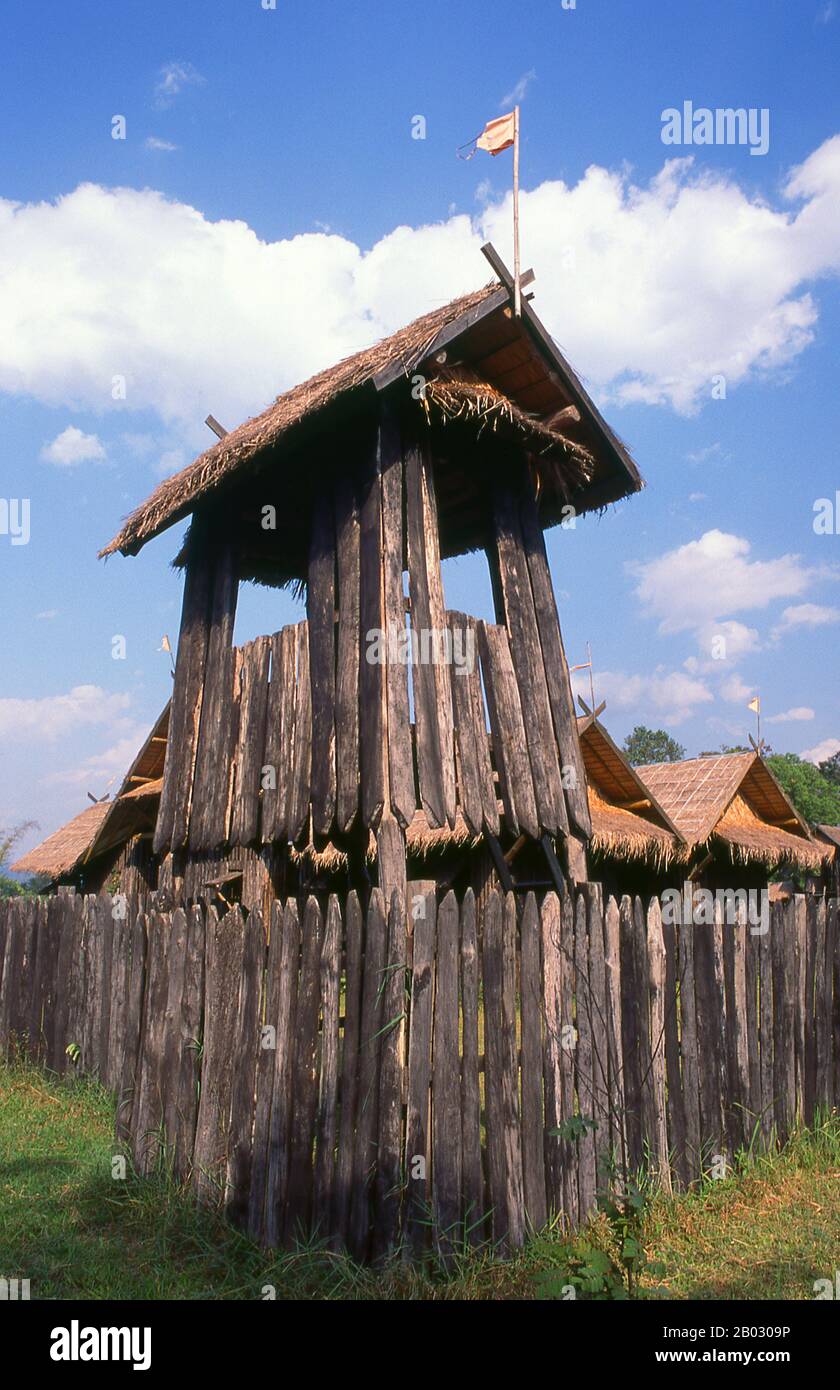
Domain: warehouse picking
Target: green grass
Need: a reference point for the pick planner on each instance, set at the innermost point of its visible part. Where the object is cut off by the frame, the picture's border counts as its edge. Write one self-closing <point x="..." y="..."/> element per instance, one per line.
<point x="75" y="1232"/>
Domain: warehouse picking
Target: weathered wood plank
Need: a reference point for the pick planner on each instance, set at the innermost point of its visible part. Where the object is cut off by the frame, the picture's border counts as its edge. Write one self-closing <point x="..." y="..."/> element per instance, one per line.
<point x="388" y="1187"/>
<point x="533" y="1124"/>
<point x="556" y="668"/>
<point x="137" y="983"/>
<point x="824" y="951"/>
<point x="350" y="1063"/>
<point x="656" y="978"/>
<point x="673" y="1075"/>
<point x="492" y="967"/>
<point x="279" y="734"/>
<point x="783" y="945"/>
<point x="612" y="968"/>
<point x="253" y="702"/>
<point x="555" y="1117"/>
<point x="347" y="661"/>
<point x="402" y="793"/>
<point x="147" y="1114"/>
<point x="446" y="1084"/>
<point x="568" y="1054"/>
<point x="766" y="1012"/>
<point x="507" y="726"/>
<point x="432" y="684"/>
<point x="284" y="1021"/>
<point x="208" y="815"/>
<point x="417" y="1147"/>
<point x="528" y="664"/>
<point x="364" y="1159"/>
<point x="593" y="895"/>
<point x="224" y="949"/>
<point x="320" y="612"/>
<point x="246" y="1035"/>
<point x="477" y="790"/>
<point x="587" y="1175"/>
<point x="189" y="1024"/>
<point x="372" y="728"/>
<point x="632" y="993"/>
<point x="472" y="1175"/>
<point x="188" y="692"/>
<point x="327" y="1125"/>
<point x="300" y="784"/>
<point x="688" y="1045"/>
<point x="305" y="1075"/>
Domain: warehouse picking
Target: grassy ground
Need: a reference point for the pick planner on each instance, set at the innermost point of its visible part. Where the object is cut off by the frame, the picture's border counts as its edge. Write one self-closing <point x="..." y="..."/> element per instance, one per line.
<point x="75" y="1232"/>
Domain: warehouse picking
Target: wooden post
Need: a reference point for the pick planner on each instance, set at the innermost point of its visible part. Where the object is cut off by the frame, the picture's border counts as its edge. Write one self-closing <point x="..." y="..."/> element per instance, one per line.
<point x="517" y="289"/>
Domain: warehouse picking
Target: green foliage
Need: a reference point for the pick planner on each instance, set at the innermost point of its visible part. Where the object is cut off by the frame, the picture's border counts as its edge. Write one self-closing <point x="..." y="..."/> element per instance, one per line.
<point x="814" y="795"/>
<point x="830" y="769"/>
<point x="11" y="887"/>
<point x="652" y="746"/>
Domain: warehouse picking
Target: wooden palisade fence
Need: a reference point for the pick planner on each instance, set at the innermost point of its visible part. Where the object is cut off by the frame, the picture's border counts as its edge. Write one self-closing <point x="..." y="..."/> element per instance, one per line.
<point x="375" y="1082"/>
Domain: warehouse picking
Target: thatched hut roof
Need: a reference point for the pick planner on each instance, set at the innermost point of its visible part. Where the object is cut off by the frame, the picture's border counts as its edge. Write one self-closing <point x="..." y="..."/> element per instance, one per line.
<point x="520" y="366"/>
<point x="627" y="820"/>
<point x="735" y="798"/>
<point x="107" y="824"/>
<point x="830" y="834"/>
<point x="62" y="852"/>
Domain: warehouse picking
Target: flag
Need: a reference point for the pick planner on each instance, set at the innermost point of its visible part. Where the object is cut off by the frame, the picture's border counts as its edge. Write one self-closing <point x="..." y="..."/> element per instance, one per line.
<point x="755" y="705"/>
<point x="498" y="135"/>
<point x="164" y="646"/>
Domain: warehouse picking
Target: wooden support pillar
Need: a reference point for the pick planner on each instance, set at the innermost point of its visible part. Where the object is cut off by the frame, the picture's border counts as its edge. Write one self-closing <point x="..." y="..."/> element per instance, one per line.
<point x="390" y="852"/>
<point x="185" y="713"/>
<point x="208" y="816"/>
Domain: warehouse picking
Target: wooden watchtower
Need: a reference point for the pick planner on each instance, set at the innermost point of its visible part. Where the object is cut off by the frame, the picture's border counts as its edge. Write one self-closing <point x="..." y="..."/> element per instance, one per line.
<point x="465" y="431"/>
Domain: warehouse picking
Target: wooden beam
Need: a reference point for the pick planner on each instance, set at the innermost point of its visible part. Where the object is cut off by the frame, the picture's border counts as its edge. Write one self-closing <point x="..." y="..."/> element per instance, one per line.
<point x="395" y="370"/>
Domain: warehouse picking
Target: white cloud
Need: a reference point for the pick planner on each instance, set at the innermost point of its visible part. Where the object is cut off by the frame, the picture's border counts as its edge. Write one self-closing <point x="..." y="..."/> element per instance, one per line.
<point x="98" y="772"/>
<point x="55" y="715"/>
<point x="694" y="585"/>
<point x="800" y="714"/>
<point x="518" y="91"/>
<point x="824" y="750"/>
<point x="152" y="142"/>
<point x="47" y="615"/>
<point x="697" y="497"/>
<point x="173" y="78"/>
<point x="806" y="615"/>
<point x="672" y="696"/>
<point x="672" y="282"/>
<point x="735" y="690"/>
<point x="73" y="446"/>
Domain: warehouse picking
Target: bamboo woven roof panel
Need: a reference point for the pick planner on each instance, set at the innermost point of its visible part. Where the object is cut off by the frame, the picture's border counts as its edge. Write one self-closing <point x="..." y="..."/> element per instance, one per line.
<point x="698" y="792"/>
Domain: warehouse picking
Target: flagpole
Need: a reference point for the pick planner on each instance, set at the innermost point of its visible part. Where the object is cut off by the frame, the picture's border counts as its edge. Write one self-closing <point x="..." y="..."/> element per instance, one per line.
<point x="517" y="293"/>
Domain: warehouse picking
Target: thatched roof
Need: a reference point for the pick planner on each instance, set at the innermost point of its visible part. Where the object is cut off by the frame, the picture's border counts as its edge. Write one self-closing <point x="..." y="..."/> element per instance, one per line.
<point x="62" y="852"/>
<point x="107" y="824"/>
<point x="420" y="838"/>
<point x="736" y="798"/>
<point x="627" y="820"/>
<point x="829" y="833"/>
<point x="750" y="838"/>
<point x="515" y="358"/>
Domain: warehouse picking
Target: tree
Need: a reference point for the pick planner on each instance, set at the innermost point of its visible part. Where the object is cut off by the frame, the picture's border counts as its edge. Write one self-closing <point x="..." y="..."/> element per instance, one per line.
<point x="816" y="798"/>
<point x="830" y="768"/>
<point x="652" y="746"/>
<point x="11" y="887"/>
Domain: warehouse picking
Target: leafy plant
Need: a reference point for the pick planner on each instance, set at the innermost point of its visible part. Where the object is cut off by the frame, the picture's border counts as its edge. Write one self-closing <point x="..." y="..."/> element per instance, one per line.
<point x="645" y="745"/>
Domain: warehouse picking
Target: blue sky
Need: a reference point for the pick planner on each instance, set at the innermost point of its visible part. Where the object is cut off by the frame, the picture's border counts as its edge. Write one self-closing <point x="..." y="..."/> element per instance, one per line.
<point x="268" y="211"/>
